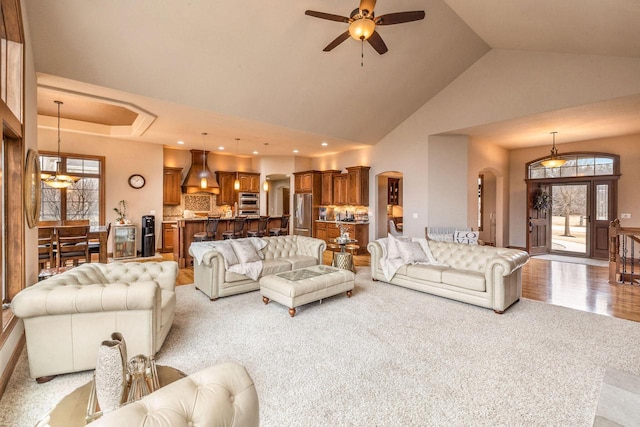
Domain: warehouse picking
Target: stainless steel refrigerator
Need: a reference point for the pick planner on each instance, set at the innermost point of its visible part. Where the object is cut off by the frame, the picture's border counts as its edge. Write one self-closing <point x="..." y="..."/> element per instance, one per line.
<point x="302" y="211"/>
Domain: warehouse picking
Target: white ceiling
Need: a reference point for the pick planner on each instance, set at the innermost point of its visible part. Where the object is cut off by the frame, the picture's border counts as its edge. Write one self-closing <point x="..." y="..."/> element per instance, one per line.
<point x="256" y="71"/>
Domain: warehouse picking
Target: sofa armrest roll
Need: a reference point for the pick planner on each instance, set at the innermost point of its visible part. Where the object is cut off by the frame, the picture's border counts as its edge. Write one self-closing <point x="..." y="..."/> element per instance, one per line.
<point x="311" y="246"/>
<point x="508" y="261"/>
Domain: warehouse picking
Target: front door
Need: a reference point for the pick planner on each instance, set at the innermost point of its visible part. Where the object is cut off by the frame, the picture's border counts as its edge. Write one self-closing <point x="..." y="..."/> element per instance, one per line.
<point x="539" y="224"/>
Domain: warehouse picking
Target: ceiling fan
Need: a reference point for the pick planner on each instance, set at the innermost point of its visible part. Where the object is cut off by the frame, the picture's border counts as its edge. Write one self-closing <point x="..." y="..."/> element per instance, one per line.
<point x="362" y="24"/>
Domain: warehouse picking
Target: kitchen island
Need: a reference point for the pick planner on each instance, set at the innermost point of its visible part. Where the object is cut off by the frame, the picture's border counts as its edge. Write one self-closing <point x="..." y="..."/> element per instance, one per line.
<point x="186" y="228"/>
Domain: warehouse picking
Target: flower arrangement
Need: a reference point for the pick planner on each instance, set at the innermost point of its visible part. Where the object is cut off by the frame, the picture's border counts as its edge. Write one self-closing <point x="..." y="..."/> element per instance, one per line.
<point x="542" y="201"/>
<point x="121" y="211"/>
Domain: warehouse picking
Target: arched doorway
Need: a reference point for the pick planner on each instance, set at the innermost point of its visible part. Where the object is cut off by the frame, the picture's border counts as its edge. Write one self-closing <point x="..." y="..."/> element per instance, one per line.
<point x="390" y="201"/>
<point x="569" y="207"/>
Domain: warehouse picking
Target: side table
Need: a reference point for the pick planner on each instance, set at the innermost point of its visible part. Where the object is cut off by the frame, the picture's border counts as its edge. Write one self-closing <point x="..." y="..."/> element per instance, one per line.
<point x="71" y="411"/>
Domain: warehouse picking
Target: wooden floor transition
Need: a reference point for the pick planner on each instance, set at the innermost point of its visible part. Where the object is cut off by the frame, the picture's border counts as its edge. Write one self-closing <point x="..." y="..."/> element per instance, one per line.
<point x="577" y="286"/>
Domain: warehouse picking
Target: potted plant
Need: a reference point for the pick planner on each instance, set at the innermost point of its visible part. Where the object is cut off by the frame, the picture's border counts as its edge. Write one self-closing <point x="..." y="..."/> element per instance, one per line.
<point x="121" y="212"/>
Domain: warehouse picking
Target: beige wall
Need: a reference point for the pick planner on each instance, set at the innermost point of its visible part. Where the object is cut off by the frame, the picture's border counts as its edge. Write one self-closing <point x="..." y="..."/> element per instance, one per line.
<point x="627" y="147"/>
<point x="503" y="84"/>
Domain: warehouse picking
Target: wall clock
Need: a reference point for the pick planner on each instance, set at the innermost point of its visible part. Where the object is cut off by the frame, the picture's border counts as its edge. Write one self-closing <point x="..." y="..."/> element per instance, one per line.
<point x="136" y="181"/>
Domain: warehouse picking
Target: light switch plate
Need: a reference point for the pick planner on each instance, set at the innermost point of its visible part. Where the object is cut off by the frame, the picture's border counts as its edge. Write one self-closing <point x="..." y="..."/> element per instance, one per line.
<point x="625" y="216"/>
<point x="415" y="215"/>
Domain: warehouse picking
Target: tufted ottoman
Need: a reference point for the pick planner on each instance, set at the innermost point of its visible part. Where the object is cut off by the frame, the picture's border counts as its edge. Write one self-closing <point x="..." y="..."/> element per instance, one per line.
<point x="305" y="285"/>
<point x="67" y="316"/>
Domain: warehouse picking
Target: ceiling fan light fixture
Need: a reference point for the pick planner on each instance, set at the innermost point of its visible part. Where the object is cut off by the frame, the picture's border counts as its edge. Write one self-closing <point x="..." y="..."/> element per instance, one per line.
<point x="362" y="29"/>
<point x="553" y="161"/>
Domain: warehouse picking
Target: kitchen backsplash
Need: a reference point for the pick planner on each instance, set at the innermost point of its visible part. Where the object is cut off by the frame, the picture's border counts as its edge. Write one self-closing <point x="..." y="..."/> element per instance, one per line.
<point x="193" y="202"/>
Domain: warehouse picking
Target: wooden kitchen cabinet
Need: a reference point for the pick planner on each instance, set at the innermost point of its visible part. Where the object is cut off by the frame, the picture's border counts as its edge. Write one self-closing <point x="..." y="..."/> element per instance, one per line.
<point x="321" y="230"/>
<point x="227" y="194"/>
<point x="393" y="191"/>
<point x="327" y="187"/>
<point x="358" y="185"/>
<point x="171" y="186"/>
<point x="249" y="182"/>
<point x="340" y="189"/>
<point x="303" y="182"/>
<point x="168" y="230"/>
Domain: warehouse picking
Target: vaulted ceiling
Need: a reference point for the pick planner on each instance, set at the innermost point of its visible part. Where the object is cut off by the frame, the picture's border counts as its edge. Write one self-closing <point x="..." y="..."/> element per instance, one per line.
<point x="255" y="70"/>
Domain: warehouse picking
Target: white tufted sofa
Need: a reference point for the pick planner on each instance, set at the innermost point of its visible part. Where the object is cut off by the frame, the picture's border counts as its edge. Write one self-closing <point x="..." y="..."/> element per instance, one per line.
<point x="481" y="275"/>
<point x="282" y="253"/>
<point x="219" y="396"/>
<point x="67" y="316"/>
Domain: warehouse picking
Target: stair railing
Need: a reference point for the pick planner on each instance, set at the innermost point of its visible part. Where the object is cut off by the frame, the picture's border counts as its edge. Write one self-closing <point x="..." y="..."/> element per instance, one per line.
<point x="624" y="254"/>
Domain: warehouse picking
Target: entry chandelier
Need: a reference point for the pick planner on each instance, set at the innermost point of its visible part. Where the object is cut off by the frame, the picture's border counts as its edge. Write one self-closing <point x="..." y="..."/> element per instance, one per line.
<point x="554" y="161"/>
<point x="59" y="180"/>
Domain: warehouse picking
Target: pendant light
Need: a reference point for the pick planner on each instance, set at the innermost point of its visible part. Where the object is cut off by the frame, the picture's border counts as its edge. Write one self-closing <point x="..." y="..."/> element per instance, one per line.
<point x="59" y="180"/>
<point x="553" y="161"/>
<point x="203" y="177"/>
<point x="265" y="184"/>
<point x="236" y="183"/>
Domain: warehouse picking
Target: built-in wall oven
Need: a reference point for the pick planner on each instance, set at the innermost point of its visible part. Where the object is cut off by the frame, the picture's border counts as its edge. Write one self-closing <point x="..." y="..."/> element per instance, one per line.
<point x="248" y="203"/>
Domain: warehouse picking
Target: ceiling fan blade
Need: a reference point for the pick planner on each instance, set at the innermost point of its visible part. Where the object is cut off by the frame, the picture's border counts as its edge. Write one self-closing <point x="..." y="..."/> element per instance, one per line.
<point x="328" y="16"/>
<point x="367" y="5"/>
<point x="400" y="17"/>
<point x="377" y="43"/>
<point x="342" y="37"/>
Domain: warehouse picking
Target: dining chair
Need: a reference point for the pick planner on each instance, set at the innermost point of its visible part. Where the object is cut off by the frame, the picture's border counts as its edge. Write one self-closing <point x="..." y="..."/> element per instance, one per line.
<point x="75" y="222"/>
<point x="210" y="230"/>
<point x="72" y="244"/>
<point x="238" y="229"/>
<point x="46" y="252"/>
<point x="284" y="228"/>
<point x="262" y="228"/>
<point x="49" y="223"/>
<point x="94" y="244"/>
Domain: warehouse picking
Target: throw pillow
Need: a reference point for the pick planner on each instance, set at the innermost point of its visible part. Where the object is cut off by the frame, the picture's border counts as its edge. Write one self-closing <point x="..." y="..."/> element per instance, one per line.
<point x="392" y="249"/>
<point x="468" y="237"/>
<point x="245" y="250"/>
<point x="259" y="244"/>
<point x="411" y="252"/>
<point x="227" y="253"/>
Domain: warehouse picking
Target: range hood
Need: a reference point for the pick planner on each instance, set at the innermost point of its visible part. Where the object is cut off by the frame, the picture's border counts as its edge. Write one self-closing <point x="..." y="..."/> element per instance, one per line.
<point x="198" y="170"/>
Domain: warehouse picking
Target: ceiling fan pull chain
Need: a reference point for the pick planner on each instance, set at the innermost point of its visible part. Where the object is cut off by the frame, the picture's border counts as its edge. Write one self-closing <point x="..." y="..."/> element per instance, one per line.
<point x="362" y="53"/>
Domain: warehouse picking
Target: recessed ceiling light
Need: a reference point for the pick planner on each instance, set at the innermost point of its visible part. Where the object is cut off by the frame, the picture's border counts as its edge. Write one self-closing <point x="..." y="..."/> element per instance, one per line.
<point x="221" y="148"/>
<point x="295" y="151"/>
<point x="324" y="144"/>
<point x="180" y="142"/>
<point x="255" y="152"/>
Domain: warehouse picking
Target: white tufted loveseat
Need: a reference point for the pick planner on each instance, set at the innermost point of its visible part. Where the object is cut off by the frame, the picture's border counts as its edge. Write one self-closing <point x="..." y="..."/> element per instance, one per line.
<point x="481" y="275"/>
<point x="67" y="316"/>
<point x="219" y="396"/>
<point x="282" y="253"/>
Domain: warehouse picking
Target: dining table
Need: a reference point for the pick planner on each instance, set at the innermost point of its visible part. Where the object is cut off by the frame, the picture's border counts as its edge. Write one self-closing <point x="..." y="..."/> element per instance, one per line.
<point x="96" y="232"/>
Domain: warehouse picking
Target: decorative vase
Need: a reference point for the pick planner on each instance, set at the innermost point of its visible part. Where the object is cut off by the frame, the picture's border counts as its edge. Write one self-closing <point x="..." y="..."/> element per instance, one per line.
<point x="139" y="387"/>
<point x="111" y="373"/>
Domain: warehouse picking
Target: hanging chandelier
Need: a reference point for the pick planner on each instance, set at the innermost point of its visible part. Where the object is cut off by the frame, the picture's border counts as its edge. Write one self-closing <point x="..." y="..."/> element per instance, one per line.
<point x="203" y="176"/>
<point x="554" y="161"/>
<point x="59" y="180"/>
<point x="265" y="184"/>
<point x="236" y="183"/>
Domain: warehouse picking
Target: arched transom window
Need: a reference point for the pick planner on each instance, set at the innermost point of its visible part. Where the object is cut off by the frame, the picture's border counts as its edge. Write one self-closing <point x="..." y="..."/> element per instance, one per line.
<point x="577" y="165"/>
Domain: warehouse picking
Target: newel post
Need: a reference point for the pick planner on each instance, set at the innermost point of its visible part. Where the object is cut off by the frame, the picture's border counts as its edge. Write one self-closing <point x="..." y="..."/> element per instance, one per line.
<point x="614" y="249"/>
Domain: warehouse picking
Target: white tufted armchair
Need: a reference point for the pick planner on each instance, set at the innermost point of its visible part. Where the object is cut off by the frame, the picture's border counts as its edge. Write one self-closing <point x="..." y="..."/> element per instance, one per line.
<point x="221" y="395"/>
<point x="67" y="316"/>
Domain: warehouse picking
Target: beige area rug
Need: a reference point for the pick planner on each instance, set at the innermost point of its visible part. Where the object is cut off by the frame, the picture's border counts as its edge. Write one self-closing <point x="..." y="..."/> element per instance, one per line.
<point x="388" y="356"/>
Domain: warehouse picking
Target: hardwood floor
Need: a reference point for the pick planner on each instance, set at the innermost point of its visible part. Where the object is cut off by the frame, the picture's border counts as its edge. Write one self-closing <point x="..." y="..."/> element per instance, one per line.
<point x="577" y="286"/>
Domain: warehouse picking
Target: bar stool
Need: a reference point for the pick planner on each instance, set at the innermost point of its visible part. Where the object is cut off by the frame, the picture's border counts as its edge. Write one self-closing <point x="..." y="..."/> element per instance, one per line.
<point x="238" y="229"/>
<point x="210" y="230"/>
<point x="262" y="228"/>
<point x="284" y="228"/>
